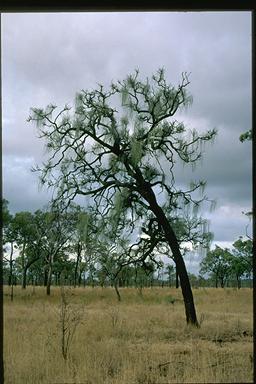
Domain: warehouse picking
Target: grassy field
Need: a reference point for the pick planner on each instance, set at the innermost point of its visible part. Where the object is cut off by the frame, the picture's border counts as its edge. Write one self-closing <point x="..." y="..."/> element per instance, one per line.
<point x="142" y="339"/>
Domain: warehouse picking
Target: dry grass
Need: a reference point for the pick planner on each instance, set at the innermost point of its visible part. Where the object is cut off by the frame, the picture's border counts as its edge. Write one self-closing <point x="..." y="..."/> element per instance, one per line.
<point x="143" y="339"/>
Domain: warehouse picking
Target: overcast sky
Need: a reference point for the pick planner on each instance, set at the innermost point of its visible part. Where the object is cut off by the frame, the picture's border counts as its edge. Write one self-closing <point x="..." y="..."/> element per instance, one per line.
<point x="48" y="57"/>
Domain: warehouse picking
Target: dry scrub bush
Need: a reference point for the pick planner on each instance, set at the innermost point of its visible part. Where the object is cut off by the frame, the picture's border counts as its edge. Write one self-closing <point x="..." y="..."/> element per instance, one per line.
<point x="69" y="318"/>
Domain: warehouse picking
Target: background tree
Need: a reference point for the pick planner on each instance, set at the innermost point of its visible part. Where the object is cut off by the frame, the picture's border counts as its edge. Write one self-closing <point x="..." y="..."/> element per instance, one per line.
<point x="59" y="225"/>
<point x="8" y="239"/>
<point x="191" y="231"/>
<point x="24" y="229"/>
<point x="218" y="263"/>
<point x="170" y="272"/>
<point x="247" y="136"/>
<point x="242" y="262"/>
<point x="6" y="218"/>
<point x="117" y="158"/>
<point x="77" y="239"/>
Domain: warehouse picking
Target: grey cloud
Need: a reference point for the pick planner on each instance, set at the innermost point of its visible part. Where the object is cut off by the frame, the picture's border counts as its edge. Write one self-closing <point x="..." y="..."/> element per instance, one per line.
<point x="228" y="223"/>
<point x="47" y="58"/>
<point x="21" y="187"/>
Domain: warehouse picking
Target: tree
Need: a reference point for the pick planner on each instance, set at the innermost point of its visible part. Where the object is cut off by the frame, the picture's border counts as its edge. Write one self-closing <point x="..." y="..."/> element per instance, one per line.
<point x="23" y="229"/>
<point x="217" y="262"/>
<point x="242" y="262"/>
<point x="8" y="237"/>
<point x="84" y="240"/>
<point x="117" y="158"/>
<point x="6" y="217"/>
<point x="80" y="243"/>
<point x="170" y="272"/>
<point x="191" y="232"/>
<point x="59" y="225"/>
<point x="246" y="136"/>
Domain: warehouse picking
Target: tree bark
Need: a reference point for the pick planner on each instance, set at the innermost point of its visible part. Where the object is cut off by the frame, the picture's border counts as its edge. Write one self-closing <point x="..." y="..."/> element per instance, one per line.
<point x="24" y="277"/>
<point x="10" y="282"/>
<point x="80" y="278"/>
<point x="25" y="269"/>
<point x="23" y="264"/>
<point x="78" y="258"/>
<point x="45" y="276"/>
<point x="190" y="310"/>
<point x="49" y="281"/>
<point x="117" y="291"/>
<point x="177" y="279"/>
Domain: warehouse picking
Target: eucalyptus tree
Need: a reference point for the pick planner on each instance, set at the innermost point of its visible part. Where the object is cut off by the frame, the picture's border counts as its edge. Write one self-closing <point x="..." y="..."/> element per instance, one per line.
<point x="120" y="148"/>
<point x="36" y="247"/>
<point x="192" y="233"/>
<point x="24" y="230"/>
<point x="80" y="243"/>
<point x="59" y="226"/>
<point x="119" y="260"/>
<point x="218" y="263"/>
<point x="84" y="239"/>
<point x="6" y="218"/>
<point x="170" y="272"/>
<point x="8" y="239"/>
<point x="242" y="261"/>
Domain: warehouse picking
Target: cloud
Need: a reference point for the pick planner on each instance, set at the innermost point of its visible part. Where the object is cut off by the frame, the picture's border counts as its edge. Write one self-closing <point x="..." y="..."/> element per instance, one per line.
<point x="20" y="186"/>
<point x="47" y="58"/>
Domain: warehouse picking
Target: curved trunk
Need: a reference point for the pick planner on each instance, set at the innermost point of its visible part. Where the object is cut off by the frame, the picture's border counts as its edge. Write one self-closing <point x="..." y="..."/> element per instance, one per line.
<point x="26" y="267"/>
<point x="176" y="279"/>
<point x="190" y="311"/>
<point x="117" y="291"/>
<point x="184" y="280"/>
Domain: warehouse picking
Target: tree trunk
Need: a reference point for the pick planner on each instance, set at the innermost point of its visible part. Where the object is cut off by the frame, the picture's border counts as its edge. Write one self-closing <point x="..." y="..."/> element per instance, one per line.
<point x="80" y="278"/>
<point x="12" y="291"/>
<point x="78" y="258"/>
<point x="176" y="279"/>
<point x="45" y="276"/>
<point x="117" y="291"/>
<point x="11" y="271"/>
<point x="24" y="277"/>
<point x="25" y="269"/>
<point x="11" y="266"/>
<point x="238" y="282"/>
<point x="190" y="311"/>
<point x="23" y="265"/>
<point x="49" y="281"/>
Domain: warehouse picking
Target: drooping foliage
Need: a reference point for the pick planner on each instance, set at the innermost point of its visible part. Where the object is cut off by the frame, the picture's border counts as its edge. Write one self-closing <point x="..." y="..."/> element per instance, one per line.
<point x="120" y="148"/>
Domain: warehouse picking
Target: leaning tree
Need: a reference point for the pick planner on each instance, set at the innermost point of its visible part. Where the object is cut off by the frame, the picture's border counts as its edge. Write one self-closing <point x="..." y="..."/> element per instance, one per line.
<point x="120" y="148"/>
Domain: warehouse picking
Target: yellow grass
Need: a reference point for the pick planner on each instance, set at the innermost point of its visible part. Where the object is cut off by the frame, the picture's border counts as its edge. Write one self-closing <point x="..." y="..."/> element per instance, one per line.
<point x="143" y="339"/>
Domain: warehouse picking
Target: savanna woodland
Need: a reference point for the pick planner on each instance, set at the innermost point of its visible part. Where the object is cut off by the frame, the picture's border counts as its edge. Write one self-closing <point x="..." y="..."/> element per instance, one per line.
<point x="113" y="310"/>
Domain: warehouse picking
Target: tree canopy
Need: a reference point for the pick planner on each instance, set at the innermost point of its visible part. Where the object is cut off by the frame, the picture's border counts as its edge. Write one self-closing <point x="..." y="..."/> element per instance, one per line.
<point x="120" y="148"/>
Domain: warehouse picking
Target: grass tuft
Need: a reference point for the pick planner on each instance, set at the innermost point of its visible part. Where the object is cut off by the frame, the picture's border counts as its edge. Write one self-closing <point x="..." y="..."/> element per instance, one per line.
<point x="142" y="339"/>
